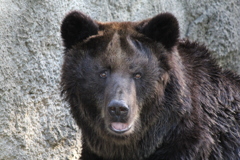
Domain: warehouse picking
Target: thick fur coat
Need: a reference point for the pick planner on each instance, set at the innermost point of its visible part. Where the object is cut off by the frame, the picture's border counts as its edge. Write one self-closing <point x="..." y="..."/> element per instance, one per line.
<point x="138" y="92"/>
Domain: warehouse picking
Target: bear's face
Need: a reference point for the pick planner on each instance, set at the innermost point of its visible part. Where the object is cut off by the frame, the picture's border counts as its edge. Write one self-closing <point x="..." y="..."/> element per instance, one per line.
<point x="115" y="72"/>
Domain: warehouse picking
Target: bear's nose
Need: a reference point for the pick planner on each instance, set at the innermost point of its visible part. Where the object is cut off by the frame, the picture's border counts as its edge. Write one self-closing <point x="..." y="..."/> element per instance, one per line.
<point x="118" y="109"/>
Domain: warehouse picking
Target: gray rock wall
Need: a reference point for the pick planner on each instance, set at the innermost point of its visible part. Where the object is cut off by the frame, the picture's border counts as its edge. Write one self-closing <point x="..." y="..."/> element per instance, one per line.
<point x="34" y="122"/>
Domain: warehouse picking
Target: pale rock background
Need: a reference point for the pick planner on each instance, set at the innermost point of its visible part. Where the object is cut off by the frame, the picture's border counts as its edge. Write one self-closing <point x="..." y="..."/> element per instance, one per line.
<point x="35" y="123"/>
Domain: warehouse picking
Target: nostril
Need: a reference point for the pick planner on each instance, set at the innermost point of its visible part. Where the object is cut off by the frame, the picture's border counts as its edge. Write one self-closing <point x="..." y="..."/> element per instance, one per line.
<point x="112" y="110"/>
<point x="123" y="109"/>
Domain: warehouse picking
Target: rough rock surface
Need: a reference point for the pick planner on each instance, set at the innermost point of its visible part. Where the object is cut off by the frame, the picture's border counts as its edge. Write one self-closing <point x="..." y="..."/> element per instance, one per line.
<point x="34" y="122"/>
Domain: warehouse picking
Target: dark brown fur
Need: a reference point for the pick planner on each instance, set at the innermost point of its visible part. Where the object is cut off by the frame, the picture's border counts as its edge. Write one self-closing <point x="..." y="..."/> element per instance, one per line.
<point x="184" y="106"/>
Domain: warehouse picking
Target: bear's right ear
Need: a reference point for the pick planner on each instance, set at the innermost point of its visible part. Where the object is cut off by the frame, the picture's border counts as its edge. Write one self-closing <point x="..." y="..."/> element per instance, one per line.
<point x="76" y="27"/>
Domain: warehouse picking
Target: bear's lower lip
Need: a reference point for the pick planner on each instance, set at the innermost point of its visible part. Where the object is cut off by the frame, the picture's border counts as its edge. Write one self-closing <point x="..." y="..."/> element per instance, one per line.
<point x="120" y="127"/>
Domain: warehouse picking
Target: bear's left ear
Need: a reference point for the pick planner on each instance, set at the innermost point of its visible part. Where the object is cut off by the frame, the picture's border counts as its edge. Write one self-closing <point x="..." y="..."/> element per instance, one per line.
<point x="162" y="28"/>
<point x="76" y="27"/>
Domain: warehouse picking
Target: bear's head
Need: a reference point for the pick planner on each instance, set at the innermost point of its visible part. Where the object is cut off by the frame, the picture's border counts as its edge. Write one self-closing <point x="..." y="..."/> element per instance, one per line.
<point x="116" y="76"/>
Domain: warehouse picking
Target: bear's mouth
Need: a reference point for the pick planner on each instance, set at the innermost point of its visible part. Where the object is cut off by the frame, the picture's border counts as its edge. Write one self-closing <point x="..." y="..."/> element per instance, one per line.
<point x="119" y="127"/>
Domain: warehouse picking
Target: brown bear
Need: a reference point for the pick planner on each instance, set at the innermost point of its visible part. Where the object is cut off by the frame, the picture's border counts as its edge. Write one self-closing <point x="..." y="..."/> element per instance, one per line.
<point x="138" y="92"/>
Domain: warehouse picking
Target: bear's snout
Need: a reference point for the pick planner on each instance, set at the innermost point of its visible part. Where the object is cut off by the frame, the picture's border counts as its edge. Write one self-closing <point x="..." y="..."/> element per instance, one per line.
<point x="118" y="110"/>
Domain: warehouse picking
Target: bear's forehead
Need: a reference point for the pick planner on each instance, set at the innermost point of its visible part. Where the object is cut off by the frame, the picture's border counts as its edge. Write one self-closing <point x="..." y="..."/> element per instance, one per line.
<point x="118" y="49"/>
<point x="117" y="26"/>
<point x="122" y="52"/>
<point x="119" y="43"/>
<point x="116" y="38"/>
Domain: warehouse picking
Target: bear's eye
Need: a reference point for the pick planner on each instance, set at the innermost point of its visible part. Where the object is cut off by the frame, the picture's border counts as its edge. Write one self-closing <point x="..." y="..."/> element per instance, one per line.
<point x="103" y="74"/>
<point x="137" y="76"/>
